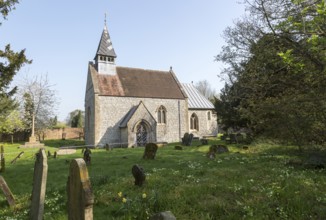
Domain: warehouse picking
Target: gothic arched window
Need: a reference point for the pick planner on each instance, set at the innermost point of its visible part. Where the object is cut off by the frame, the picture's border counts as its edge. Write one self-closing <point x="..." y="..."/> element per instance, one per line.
<point x="194" y="122"/>
<point x="208" y="116"/>
<point x="161" y="115"/>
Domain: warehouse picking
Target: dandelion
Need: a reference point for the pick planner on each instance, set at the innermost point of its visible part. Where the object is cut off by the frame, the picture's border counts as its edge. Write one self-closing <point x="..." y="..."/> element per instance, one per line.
<point x="124" y="200"/>
<point x="120" y="194"/>
<point x="144" y="195"/>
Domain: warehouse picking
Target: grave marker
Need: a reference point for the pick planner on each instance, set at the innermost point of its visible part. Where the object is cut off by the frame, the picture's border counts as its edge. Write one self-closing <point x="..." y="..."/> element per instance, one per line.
<point x="150" y="151"/>
<point x="138" y="174"/>
<point x="6" y="191"/>
<point x="39" y="185"/>
<point x="80" y="195"/>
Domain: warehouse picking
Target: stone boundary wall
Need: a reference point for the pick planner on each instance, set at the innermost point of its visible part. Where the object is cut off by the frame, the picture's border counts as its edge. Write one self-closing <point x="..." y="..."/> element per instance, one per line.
<point x="70" y="133"/>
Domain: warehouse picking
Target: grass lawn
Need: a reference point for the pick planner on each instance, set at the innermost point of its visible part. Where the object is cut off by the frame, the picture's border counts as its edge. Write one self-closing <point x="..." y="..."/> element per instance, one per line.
<point x="242" y="184"/>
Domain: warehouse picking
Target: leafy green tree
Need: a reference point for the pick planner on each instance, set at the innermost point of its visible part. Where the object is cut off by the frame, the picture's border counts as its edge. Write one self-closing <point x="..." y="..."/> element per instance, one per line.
<point x="77" y="120"/>
<point x="12" y="124"/>
<point x="10" y="63"/>
<point x="276" y="58"/>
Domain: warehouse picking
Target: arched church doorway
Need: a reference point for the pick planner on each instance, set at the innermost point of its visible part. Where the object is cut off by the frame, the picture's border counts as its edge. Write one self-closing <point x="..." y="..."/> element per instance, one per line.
<point x="141" y="134"/>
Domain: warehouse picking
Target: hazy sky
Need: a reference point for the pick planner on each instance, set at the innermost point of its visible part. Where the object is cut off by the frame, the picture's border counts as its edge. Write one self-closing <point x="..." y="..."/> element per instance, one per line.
<point x="62" y="36"/>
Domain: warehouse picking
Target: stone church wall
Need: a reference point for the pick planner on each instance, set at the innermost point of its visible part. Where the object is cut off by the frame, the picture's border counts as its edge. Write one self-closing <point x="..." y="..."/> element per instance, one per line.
<point x="113" y="109"/>
<point x="206" y="127"/>
<point x="89" y="122"/>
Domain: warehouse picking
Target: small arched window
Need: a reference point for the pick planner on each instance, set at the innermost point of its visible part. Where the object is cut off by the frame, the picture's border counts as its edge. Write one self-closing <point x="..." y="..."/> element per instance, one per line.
<point x="208" y="116"/>
<point x="161" y="115"/>
<point x="194" y="122"/>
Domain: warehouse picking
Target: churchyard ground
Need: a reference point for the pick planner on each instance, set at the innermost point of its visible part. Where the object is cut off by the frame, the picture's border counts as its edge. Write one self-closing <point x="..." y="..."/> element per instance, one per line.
<point x="253" y="183"/>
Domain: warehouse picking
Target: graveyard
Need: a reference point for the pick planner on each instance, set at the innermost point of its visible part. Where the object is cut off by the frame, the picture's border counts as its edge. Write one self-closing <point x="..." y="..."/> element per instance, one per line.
<point x="262" y="180"/>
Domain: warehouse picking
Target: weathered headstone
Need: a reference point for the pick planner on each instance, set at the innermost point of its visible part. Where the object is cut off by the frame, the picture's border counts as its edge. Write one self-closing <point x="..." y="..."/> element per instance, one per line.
<point x="187" y="139"/>
<point x="55" y="155"/>
<point x="150" y="151"/>
<point x="167" y="215"/>
<point x="39" y="185"/>
<point x="49" y="154"/>
<point x="221" y="149"/>
<point x="6" y="191"/>
<point x="16" y="158"/>
<point x="178" y="147"/>
<point x="87" y="156"/>
<point x="212" y="151"/>
<point x="80" y="195"/>
<point x="107" y="147"/>
<point x="138" y="174"/>
<point x="204" y="141"/>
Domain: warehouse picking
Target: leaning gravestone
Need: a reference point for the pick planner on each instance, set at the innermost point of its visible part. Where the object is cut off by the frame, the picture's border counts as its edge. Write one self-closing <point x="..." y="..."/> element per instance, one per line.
<point x="138" y="174"/>
<point x="39" y="185"/>
<point x="150" y="151"/>
<point x="80" y="195"/>
<point x="212" y="151"/>
<point x="6" y="191"/>
<point x="16" y="158"/>
<point x="87" y="156"/>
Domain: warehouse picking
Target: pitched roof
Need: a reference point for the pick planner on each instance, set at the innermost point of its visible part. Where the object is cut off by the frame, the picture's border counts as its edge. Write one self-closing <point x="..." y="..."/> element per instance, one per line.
<point x="133" y="82"/>
<point x="195" y="99"/>
<point x="105" y="46"/>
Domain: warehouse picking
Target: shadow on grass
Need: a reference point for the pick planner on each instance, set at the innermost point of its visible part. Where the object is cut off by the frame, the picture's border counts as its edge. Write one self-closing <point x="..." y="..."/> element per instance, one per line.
<point x="61" y="143"/>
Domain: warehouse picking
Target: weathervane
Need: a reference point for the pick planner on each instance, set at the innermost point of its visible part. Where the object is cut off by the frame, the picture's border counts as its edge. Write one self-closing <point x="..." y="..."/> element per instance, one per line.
<point x="105" y="18"/>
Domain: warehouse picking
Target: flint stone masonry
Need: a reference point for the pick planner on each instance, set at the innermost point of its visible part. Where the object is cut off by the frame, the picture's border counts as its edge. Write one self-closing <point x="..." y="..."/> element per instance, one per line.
<point x="206" y="127"/>
<point x="6" y="191"/>
<point x="80" y="195"/>
<point x="39" y="185"/>
<point x="109" y="118"/>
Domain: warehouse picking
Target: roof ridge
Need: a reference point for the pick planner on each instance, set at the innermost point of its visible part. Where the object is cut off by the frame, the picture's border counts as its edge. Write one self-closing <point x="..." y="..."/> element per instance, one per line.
<point x="148" y="70"/>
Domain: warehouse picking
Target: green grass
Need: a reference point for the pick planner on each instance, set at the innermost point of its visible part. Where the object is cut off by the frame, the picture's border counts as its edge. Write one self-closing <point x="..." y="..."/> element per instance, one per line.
<point x="241" y="184"/>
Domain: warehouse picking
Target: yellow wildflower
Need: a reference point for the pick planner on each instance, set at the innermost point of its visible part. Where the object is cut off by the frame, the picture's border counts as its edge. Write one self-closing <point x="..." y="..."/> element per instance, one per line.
<point x="124" y="200"/>
<point x="144" y="195"/>
<point x="120" y="194"/>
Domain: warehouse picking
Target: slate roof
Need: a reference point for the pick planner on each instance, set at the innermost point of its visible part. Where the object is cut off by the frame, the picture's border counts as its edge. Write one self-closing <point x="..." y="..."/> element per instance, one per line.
<point x="105" y="46"/>
<point x="134" y="82"/>
<point x="195" y="99"/>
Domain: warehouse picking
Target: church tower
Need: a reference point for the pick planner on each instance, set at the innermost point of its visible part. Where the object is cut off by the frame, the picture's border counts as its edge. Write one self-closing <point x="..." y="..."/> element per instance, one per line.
<point x="105" y="55"/>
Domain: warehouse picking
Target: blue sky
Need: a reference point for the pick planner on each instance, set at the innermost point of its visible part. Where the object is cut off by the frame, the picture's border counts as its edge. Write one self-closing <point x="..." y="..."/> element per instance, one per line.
<point x="61" y="37"/>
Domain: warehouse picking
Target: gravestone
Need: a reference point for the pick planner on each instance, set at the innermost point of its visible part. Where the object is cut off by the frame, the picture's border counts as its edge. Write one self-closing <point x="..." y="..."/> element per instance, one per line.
<point x="178" y="147"/>
<point x="167" y="215"/>
<point x="2" y="160"/>
<point x="150" y="151"/>
<point x="6" y="191"/>
<point x="107" y="147"/>
<point x="39" y="185"/>
<point x="55" y="155"/>
<point x="80" y="195"/>
<point x="138" y="174"/>
<point x="187" y="139"/>
<point x="87" y="156"/>
<point x="221" y="149"/>
<point x="16" y="158"/>
<point x="49" y="154"/>
<point x="212" y="151"/>
<point x="204" y="141"/>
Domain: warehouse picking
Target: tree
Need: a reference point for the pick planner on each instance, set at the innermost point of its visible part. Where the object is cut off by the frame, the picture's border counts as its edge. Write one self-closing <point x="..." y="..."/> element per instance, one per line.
<point x="12" y="124"/>
<point x="39" y="102"/>
<point x="276" y="58"/>
<point x="76" y="118"/>
<point x="205" y="89"/>
<point x="10" y="63"/>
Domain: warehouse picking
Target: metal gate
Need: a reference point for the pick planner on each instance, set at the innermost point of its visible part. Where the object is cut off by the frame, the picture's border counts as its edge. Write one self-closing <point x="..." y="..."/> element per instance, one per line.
<point x="141" y="134"/>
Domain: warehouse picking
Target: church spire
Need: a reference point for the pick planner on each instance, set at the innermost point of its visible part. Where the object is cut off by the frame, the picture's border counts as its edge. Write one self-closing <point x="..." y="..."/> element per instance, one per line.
<point x="105" y="54"/>
<point x="105" y="47"/>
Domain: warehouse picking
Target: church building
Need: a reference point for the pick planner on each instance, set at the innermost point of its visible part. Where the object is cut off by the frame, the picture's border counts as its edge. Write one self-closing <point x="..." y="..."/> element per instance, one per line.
<point x="131" y="106"/>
